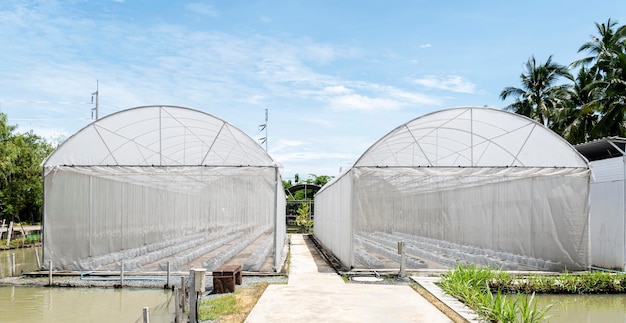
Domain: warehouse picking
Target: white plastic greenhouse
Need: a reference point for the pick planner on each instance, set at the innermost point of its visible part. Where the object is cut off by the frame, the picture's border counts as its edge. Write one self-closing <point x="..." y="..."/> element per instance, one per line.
<point x="473" y="185"/>
<point x="158" y="185"/>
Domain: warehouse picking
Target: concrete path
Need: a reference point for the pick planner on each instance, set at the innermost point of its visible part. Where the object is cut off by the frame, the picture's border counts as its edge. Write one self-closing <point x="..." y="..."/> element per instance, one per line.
<point x="315" y="293"/>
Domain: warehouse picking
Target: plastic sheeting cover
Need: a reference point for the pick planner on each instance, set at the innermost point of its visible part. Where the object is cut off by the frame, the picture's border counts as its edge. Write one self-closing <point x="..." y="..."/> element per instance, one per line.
<point x="471" y="137"/>
<point x="160" y="135"/>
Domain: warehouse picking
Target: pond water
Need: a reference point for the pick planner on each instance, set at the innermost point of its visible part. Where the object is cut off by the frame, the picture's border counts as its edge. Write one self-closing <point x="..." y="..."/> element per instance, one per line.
<point x="25" y="260"/>
<point x="584" y="308"/>
<point x="44" y="304"/>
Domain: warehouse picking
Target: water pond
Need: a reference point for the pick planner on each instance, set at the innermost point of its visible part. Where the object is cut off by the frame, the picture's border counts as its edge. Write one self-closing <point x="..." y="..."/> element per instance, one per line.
<point x="25" y="260"/>
<point x="44" y="304"/>
<point x="584" y="308"/>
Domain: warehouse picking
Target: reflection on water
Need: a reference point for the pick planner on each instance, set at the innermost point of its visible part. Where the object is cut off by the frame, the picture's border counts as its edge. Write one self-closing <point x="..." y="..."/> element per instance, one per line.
<point x="43" y="304"/>
<point x="25" y="260"/>
<point x="584" y="308"/>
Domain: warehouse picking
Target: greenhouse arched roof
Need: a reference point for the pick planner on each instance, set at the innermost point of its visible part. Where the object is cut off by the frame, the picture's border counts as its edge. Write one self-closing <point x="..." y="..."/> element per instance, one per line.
<point x="471" y="137"/>
<point x="160" y="136"/>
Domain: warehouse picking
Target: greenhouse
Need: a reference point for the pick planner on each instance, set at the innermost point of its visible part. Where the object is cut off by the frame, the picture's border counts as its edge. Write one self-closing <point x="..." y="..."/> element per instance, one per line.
<point x="471" y="185"/>
<point x="155" y="187"/>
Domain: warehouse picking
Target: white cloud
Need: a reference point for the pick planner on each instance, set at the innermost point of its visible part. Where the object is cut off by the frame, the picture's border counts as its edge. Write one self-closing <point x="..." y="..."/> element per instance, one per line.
<point x="202" y="9"/>
<point x="425" y="46"/>
<point x="336" y="90"/>
<point x="365" y="96"/>
<point x="318" y="122"/>
<point x="452" y="83"/>
<point x="364" y="103"/>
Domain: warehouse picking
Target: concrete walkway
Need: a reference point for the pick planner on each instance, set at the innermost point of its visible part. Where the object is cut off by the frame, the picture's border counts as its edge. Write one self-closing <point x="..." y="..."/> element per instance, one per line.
<point x="315" y="293"/>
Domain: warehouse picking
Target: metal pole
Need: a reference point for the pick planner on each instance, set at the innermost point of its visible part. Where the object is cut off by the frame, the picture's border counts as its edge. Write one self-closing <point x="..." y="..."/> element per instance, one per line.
<point x="96" y="94"/>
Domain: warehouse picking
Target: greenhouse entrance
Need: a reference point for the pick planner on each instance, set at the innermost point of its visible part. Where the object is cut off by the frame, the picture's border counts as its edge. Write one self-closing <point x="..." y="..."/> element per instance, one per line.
<point x="162" y="186"/>
<point x="300" y="202"/>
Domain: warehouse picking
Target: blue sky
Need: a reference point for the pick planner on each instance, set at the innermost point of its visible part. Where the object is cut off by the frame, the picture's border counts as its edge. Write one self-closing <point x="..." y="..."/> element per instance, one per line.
<point x="335" y="76"/>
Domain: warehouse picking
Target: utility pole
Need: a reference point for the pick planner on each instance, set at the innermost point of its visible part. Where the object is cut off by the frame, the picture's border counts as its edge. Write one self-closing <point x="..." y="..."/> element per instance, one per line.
<point x="96" y="108"/>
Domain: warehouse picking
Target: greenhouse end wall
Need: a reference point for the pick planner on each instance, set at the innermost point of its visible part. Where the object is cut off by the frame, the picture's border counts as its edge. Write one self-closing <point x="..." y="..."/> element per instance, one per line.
<point x="536" y="217"/>
<point x="92" y="217"/>
<point x="536" y="213"/>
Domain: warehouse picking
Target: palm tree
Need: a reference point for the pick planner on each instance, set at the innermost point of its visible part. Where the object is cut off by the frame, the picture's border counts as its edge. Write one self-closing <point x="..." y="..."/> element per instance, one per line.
<point x="577" y="120"/>
<point x="613" y="102"/>
<point x="604" y="48"/>
<point x="608" y="65"/>
<point x="540" y="96"/>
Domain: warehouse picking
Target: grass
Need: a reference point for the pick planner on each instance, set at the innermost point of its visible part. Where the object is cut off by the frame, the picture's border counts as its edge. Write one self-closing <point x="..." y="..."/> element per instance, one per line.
<point x="589" y="282"/>
<point x="17" y="242"/>
<point x="231" y="308"/>
<point x="471" y="285"/>
<point x="500" y="297"/>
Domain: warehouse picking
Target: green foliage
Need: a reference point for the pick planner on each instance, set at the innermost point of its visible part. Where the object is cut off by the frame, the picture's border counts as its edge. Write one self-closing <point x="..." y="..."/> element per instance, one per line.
<point x="303" y="219"/>
<point x="21" y="187"/>
<point x="591" y="106"/>
<point x="471" y="285"/>
<point x="500" y="297"/>
<point x="590" y="282"/>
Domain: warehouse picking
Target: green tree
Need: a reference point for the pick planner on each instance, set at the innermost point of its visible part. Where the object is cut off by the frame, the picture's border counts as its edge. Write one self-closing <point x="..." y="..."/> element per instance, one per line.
<point x="320" y="180"/>
<point x="540" y="96"/>
<point x="607" y="65"/>
<point x="577" y="120"/>
<point x="23" y="195"/>
<point x="603" y="48"/>
<point x="303" y="219"/>
<point x="21" y="188"/>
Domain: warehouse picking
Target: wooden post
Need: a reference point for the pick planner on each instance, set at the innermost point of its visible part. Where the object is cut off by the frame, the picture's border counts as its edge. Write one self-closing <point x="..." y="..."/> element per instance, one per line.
<point x="37" y="258"/>
<point x="167" y="284"/>
<point x="193" y="297"/>
<point x="49" y="272"/>
<point x="146" y="315"/>
<point x="183" y="304"/>
<point x="2" y="228"/>
<point x="12" y="264"/>
<point x="9" y="232"/>
<point x="176" y="305"/>
<point x="122" y="274"/>
<point x="401" y="251"/>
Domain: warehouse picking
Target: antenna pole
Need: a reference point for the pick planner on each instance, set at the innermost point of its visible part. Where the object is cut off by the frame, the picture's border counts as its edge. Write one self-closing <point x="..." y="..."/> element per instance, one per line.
<point x="261" y="128"/>
<point x="92" y="95"/>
